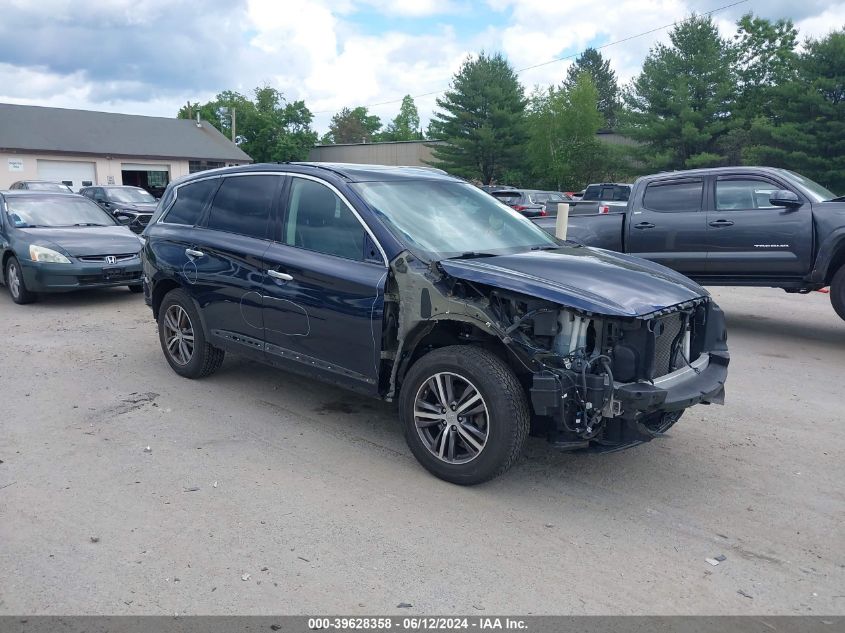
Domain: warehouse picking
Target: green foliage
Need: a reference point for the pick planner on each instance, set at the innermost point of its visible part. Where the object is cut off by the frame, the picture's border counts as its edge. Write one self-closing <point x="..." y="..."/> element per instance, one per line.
<point x="563" y="150"/>
<point x="355" y="125"/>
<point x="806" y="133"/>
<point x="482" y="120"/>
<point x="592" y="62"/>
<point x="679" y="105"/>
<point x="268" y="127"/>
<point x="406" y="125"/>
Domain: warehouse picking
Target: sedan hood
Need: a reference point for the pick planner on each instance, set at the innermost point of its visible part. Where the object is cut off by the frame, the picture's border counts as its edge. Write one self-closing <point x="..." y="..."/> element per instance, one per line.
<point x="86" y="240"/>
<point x="588" y="279"/>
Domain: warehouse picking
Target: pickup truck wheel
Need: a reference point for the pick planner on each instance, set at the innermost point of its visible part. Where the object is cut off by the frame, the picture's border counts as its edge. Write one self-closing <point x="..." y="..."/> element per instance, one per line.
<point x="464" y="414"/>
<point x="837" y="292"/>
<point x="16" y="284"/>
<point x="183" y="339"/>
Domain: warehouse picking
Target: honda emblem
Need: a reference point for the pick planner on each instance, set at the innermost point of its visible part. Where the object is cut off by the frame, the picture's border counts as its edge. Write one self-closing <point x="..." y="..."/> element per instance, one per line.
<point x="111" y="259"/>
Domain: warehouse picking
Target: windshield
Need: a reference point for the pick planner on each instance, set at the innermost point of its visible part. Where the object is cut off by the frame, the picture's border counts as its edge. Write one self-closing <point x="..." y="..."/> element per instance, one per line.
<point x="547" y="196"/>
<point x="40" y="210"/>
<point x="449" y="219"/>
<point x="813" y="189"/>
<point x="47" y="186"/>
<point x="129" y="195"/>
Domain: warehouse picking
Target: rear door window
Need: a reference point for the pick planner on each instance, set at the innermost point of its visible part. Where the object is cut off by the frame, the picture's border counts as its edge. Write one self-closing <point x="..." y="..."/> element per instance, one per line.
<point x="242" y="205"/>
<point x="674" y="197"/>
<point x="190" y="202"/>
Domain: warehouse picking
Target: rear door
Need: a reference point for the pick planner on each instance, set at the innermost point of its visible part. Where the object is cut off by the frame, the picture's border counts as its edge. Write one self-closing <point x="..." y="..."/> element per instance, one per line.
<point x="747" y="236"/>
<point x="669" y="227"/>
<point x="324" y="287"/>
<point x="227" y="258"/>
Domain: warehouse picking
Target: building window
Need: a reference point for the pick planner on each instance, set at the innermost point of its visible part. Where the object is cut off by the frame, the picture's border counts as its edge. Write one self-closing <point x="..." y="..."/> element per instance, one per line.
<point x="201" y="165"/>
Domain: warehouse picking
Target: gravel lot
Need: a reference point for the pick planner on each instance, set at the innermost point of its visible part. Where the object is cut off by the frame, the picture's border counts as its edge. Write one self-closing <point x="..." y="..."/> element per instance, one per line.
<point x="263" y="493"/>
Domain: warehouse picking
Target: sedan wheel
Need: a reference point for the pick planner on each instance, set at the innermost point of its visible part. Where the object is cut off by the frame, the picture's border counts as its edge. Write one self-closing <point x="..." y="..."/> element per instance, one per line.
<point x="451" y="418"/>
<point x="178" y="335"/>
<point x="15" y="282"/>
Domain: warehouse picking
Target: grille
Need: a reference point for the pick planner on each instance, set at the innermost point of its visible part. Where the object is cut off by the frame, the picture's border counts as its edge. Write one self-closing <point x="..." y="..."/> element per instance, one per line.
<point x="663" y="344"/>
<point x="100" y="279"/>
<point x="101" y="259"/>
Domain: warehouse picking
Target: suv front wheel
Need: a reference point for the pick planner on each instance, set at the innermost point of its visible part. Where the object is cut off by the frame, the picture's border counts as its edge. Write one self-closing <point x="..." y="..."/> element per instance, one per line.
<point x="464" y="413"/>
<point x="182" y="337"/>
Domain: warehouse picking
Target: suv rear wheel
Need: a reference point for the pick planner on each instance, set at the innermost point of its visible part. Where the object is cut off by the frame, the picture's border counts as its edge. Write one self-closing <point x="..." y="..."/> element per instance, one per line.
<point x="182" y="338"/>
<point x="837" y="292"/>
<point x="464" y="413"/>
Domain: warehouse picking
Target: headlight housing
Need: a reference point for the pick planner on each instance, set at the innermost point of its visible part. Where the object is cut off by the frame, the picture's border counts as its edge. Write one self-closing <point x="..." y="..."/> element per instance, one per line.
<point x="46" y="255"/>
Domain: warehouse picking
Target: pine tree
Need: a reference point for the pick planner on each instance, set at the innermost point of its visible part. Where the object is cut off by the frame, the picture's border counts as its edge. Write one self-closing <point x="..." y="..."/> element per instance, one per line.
<point x="604" y="79"/>
<point x="482" y="121"/>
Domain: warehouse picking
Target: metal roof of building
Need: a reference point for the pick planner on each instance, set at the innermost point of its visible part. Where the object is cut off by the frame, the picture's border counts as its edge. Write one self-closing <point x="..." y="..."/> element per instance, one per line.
<point x="40" y="129"/>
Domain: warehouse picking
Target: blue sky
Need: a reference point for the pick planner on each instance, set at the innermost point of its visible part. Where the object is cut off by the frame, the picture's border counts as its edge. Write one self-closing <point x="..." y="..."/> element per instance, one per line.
<point x="151" y="56"/>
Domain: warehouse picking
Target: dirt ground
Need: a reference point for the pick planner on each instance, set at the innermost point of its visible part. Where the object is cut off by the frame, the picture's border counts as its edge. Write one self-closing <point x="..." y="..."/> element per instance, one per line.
<point x="263" y="493"/>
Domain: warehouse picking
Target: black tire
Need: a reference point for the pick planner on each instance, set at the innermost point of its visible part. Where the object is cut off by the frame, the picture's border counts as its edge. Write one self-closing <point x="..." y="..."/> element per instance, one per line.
<point x="505" y="409"/>
<point x="136" y="288"/>
<point x="204" y="359"/>
<point x="16" y="284"/>
<point x="837" y="292"/>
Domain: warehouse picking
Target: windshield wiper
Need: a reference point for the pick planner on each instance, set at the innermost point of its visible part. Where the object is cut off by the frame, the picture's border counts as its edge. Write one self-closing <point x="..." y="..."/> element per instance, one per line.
<point x="837" y="199"/>
<point x="88" y="224"/>
<point x="545" y="248"/>
<point x="472" y="255"/>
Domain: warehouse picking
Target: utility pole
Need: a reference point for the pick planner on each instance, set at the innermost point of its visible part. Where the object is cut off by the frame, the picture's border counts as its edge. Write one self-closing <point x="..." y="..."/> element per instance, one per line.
<point x="234" y="136"/>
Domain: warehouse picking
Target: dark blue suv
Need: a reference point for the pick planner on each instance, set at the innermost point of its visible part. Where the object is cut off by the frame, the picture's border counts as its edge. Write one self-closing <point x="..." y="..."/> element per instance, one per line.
<point x="408" y="284"/>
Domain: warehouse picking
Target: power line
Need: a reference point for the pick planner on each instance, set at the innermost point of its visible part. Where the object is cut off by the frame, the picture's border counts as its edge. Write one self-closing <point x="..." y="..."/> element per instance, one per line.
<point x="565" y="57"/>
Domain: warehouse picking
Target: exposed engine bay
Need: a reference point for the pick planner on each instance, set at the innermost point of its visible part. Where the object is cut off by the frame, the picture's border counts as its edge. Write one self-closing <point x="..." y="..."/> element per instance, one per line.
<point x="594" y="381"/>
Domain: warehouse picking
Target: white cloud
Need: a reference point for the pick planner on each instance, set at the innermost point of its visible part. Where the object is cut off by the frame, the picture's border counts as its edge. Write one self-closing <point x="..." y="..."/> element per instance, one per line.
<point x="150" y="56"/>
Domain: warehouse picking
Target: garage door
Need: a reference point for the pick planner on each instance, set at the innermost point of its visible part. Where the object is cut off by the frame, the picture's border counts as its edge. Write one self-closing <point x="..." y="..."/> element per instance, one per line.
<point x="74" y="173"/>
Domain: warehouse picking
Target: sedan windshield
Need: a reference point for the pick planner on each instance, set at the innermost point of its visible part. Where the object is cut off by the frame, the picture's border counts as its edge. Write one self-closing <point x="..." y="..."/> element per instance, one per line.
<point x="46" y="210"/>
<point x="130" y="195"/>
<point x="450" y="219"/>
<point x="48" y="186"/>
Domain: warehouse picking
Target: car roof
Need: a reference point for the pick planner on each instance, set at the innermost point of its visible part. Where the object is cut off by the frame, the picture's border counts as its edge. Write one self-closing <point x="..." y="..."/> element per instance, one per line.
<point x="706" y="171"/>
<point x="350" y="172"/>
<point x="14" y="193"/>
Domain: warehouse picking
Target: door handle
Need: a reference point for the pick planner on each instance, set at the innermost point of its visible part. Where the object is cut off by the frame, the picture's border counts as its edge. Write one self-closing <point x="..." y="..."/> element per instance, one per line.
<point x="275" y="274"/>
<point x="644" y="225"/>
<point x="193" y="254"/>
<point x="718" y="223"/>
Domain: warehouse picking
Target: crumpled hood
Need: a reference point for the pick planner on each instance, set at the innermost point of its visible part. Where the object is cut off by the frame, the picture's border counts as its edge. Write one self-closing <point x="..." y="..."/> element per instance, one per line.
<point x="86" y="240"/>
<point x="588" y="279"/>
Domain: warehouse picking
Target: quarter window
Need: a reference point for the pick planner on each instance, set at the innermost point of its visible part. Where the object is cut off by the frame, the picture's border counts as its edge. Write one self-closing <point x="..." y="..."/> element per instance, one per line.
<point x="744" y="194"/>
<point x="673" y="197"/>
<point x="242" y="205"/>
<point x="190" y="201"/>
<point x="318" y="220"/>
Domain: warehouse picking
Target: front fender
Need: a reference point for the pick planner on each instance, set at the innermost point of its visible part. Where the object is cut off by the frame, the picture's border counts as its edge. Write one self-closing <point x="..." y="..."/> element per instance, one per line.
<point x="829" y="250"/>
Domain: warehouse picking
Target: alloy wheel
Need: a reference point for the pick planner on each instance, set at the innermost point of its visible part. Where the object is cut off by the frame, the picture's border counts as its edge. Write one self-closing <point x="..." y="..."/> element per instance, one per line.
<point x="178" y="335"/>
<point x="14" y="280"/>
<point x="451" y="418"/>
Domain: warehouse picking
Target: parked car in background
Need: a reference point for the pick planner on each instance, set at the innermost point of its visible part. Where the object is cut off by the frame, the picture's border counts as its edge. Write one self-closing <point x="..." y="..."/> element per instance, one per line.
<point x="603" y="198"/>
<point x="409" y="285"/>
<point x="731" y="226"/>
<point x="131" y="206"/>
<point x="40" y="185"/>
<point x="57" y="242"/>
<point x="521" y="200"/>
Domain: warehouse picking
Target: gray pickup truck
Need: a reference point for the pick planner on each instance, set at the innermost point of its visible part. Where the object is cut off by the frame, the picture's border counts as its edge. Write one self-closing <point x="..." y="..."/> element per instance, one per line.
<point x="729" y="226"/>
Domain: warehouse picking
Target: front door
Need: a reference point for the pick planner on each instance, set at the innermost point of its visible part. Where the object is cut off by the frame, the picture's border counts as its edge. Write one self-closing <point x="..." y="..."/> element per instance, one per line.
<point x="748" y="236"/>
<point x="669" y="227"/>
<point x="323" y="295"/>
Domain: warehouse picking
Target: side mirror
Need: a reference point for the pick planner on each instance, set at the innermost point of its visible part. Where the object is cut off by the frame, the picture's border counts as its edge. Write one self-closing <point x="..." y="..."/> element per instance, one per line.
<point x="123" y="219"/>
<point x="785" y="198"/>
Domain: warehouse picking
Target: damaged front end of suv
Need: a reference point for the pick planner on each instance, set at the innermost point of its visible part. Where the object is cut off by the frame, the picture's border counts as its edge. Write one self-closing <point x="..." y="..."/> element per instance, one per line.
<point x="609" y="349"/>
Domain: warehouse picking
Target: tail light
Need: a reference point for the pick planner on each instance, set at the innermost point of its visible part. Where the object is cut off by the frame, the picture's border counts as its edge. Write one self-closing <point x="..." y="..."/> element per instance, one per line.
<point x="519" y="207"/>
<point x="543" y="212"/>
<point x="604" y="209"/>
